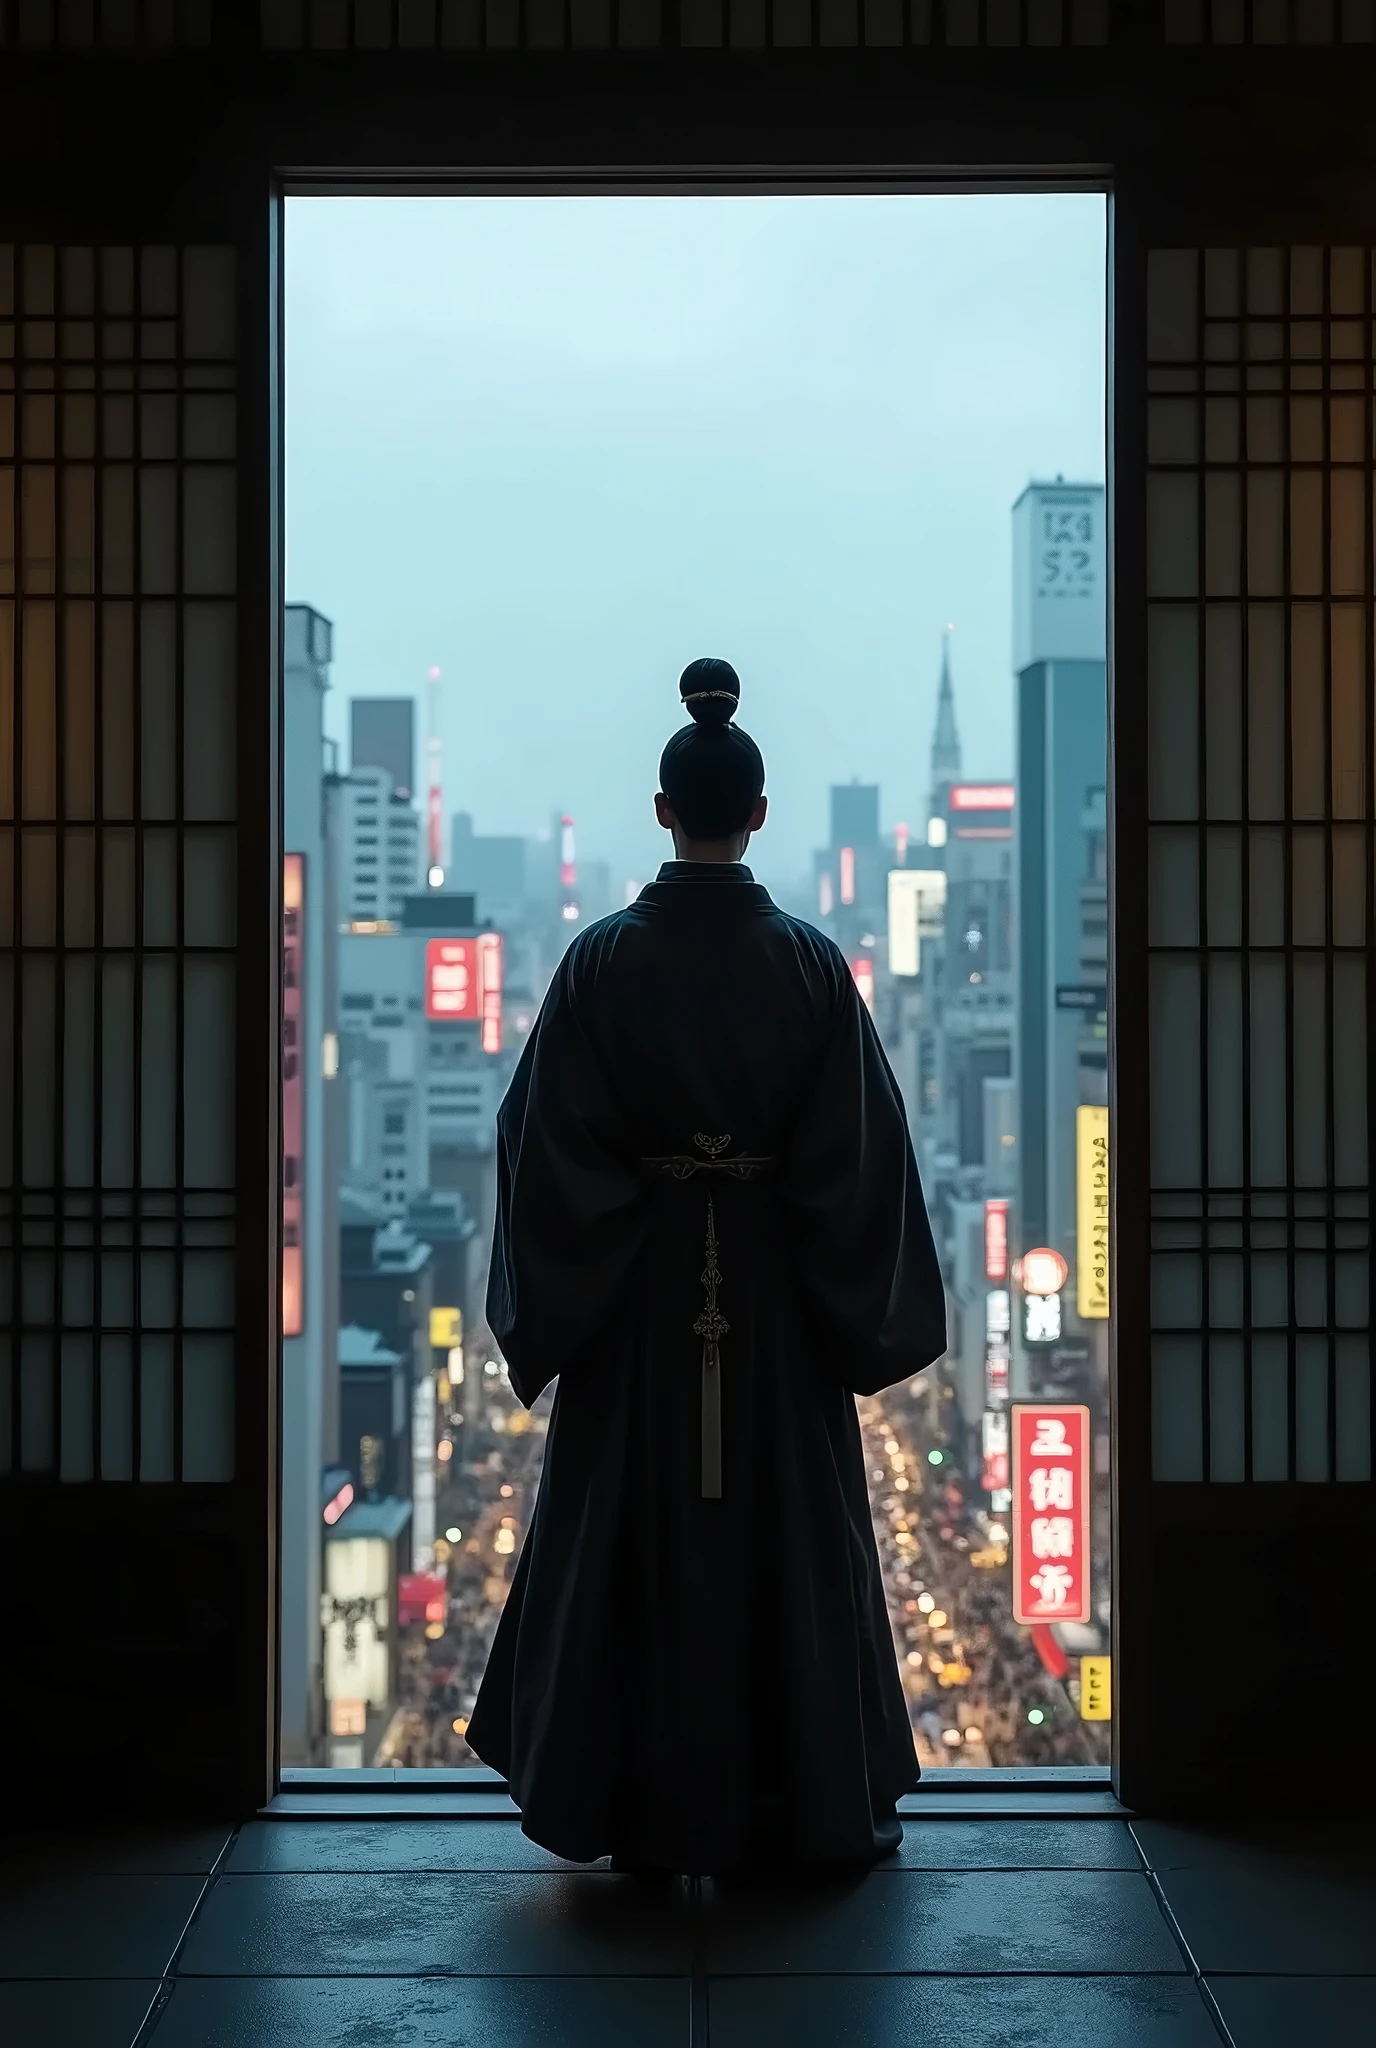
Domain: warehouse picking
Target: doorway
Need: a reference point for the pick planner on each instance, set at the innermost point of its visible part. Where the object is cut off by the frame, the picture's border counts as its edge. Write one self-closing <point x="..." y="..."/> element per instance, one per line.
<point x="541" y="451"/>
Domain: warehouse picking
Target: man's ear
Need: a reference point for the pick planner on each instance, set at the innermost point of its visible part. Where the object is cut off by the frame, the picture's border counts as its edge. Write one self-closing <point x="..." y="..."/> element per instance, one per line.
<point x="664" y="811"/>
<point x="758" y="815"/>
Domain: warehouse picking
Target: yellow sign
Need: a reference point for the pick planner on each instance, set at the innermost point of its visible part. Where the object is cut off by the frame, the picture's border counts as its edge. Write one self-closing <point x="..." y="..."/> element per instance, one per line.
<point x="1096" y="1688"/>
<point x="1091" y="1210"/>
<point x="446" y="1329"/>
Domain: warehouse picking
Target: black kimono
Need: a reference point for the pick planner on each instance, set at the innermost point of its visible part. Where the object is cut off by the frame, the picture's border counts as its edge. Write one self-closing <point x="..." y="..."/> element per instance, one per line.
<point x="710" y="1227"/>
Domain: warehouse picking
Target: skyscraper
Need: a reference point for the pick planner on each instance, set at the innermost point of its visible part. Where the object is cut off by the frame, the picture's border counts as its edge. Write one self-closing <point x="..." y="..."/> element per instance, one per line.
<point x="855" y="814"/>
<point x="1059" y="641"/>
<point x="382" y="734"/>
<point x="381" y="850"/>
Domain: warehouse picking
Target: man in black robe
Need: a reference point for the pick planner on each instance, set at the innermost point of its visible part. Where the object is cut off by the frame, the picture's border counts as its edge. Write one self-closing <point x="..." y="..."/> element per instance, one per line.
<point x="710" y="1230"/>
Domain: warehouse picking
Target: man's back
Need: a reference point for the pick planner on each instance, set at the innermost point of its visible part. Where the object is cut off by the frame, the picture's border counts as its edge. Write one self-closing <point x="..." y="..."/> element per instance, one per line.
<point x="708" y="1005"/>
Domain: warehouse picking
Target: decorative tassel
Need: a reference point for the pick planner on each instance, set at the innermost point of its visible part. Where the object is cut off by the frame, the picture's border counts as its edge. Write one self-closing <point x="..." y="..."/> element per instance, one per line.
<point x="711" y="1420"/>
<point x="711" y="1326"/>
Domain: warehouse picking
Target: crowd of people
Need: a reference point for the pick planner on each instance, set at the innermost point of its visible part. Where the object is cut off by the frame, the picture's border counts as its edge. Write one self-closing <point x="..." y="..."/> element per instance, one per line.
<point x="488" y="1497"/>
<point x="977" y="1690"/>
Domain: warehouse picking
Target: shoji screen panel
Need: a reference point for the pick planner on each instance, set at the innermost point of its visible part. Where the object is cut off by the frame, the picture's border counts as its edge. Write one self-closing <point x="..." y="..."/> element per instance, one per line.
<point x="377" y="26"/>
<point x="1259" y="659"/>
<point x="117" y="863"/>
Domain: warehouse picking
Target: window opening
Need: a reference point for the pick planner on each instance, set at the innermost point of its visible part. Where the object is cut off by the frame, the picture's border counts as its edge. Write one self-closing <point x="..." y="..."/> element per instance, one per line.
<point x="557" y="449"/>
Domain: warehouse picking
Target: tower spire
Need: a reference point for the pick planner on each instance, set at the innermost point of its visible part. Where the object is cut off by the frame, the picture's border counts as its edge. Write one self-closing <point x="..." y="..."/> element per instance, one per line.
<point x="945" y="737"/>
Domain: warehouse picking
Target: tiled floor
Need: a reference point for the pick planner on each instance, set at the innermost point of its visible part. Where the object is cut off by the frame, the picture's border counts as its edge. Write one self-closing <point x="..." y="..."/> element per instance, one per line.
<point x="402" y="1933"/>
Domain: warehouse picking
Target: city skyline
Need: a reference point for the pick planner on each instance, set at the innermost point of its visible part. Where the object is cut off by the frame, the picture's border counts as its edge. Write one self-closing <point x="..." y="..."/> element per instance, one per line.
<point x="689" y="426"/>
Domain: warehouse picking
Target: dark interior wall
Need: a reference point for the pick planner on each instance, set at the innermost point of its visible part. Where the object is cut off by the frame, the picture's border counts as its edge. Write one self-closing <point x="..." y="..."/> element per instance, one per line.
<point x="1223" y="126"/>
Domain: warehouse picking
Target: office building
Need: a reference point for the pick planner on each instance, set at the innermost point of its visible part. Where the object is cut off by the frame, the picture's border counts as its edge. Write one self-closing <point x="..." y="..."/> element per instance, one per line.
<point x="425" y="1065"/>
<point x="1059" y="612"/>
<point x="977" y="998"/>
<point x="382" y="734"/>
<point x="381" y="847"/>
<point x="850" y="874"/>
<point x="492" y="868"/>
<point x="458" y="1253"/>
<point x="375" y="1421"/>
<point x="468" y="1056"/>
<point x="382" y="1053"/>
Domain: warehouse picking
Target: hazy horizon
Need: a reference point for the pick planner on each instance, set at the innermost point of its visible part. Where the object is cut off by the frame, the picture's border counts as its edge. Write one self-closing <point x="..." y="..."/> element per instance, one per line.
<point x="561" y="447"/>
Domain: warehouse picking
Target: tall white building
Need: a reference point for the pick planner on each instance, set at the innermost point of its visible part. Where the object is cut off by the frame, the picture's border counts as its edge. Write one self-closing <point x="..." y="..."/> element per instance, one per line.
<point x="381" y="849"/>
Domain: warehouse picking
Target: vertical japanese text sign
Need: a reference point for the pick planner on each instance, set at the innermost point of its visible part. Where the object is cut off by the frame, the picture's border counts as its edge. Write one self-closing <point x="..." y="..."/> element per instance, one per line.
<point x="996" y="1242"/>
<point x="293" y="1093"/>
<point x="1051" y="1558"/>
<point x="1091" y="1210"/>
<point x="490" y="989"/>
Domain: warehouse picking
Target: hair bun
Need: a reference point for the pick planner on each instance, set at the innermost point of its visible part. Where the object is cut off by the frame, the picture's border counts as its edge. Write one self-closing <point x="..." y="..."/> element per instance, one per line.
<point x="711" y="691"/>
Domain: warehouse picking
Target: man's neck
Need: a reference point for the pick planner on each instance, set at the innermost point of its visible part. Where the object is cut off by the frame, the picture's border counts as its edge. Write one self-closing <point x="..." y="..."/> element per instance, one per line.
<point x="710" y="850"/>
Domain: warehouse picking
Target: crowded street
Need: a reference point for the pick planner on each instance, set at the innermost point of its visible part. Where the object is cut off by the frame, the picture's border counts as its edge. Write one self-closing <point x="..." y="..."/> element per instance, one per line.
<point x="979" y="1693"/>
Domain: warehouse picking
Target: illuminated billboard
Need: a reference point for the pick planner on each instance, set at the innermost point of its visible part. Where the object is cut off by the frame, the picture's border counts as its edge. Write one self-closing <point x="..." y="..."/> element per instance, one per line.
<point x="293" y="1095"/>
<point x="1091" y="1211"/>
<point x="1042" y="1320"/>
<point x="451" y="981"/>
<point x="981" y="796"/>
<point x="1042" y="1271"/>
<point x="917" y="900"/>
<point x="1051" y="1547"/>
<point x="446" y="1329"/>
<point x="996" y="1242"/>
<point x="862" y="971"/>
<point x="463" y="984"/>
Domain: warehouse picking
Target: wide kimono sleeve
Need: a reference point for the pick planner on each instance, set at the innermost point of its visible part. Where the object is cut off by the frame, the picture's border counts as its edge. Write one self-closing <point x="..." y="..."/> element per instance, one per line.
<point x="862" y="1240"/>
<point x="570" y="1212"/>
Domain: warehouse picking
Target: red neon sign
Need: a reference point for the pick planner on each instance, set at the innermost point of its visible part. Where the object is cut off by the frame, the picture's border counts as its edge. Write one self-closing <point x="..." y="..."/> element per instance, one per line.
<point x="863" y="972"/>
<point x="463" y="984"/>
<point x="848" y="874"/>
<point x="982" y="796"/>
<point x="996" y="1242"/>
<point x="1051" y="1555"/>
<point x="451" y="980"/>
<point x="342" y="1500"/>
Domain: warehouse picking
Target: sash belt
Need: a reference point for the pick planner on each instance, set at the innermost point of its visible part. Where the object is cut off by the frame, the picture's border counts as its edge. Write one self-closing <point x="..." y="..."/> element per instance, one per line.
<point x="711" y="1324"/>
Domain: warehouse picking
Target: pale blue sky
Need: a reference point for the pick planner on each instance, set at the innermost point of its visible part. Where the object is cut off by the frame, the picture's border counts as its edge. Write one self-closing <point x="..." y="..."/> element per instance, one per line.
<point x="563" y="446"/>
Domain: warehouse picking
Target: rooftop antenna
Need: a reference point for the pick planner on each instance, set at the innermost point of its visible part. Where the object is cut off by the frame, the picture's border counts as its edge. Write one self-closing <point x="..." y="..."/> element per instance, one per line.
<point x="435" y="801"/>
